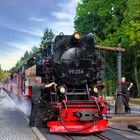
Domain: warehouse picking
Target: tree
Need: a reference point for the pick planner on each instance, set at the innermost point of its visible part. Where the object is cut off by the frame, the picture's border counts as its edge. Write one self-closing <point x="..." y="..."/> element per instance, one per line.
<point x="101" y="17"/>
<point x="131" y="26"/>
<point x="3" y="75"/>
<point x="21" y="62"/>
<point x="35" y="49"/>
<point x="47" y="37"/>
<point x="114" y="22"/>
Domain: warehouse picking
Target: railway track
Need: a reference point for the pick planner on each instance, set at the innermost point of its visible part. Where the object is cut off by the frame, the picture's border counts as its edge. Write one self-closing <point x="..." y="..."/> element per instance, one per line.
<point x="102" y="137"/>
<point x="97" y="136"/>
<point x="68" y="137"/>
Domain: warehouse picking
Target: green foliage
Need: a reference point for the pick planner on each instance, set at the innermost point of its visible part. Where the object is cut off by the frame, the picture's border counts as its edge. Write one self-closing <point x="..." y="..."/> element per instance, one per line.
<point x="27" y="55"/>
<point x="35" y="49"/>
<point x="3" y="75"/>
<point x="47" y="37"/>
<point x="114" y="22"/>
<point x="21" y="62"/>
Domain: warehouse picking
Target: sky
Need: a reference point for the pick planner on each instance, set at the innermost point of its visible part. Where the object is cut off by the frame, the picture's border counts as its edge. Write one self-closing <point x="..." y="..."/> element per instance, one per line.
<point x="22" y="23"/>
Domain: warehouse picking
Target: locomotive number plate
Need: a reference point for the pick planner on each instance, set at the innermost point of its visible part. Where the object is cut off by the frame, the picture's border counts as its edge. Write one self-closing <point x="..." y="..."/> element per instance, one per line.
<point x="76" y="71"/>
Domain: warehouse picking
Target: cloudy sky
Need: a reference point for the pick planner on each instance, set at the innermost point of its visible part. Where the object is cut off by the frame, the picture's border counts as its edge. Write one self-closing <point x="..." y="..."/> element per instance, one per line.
<point x="22" y="23"/>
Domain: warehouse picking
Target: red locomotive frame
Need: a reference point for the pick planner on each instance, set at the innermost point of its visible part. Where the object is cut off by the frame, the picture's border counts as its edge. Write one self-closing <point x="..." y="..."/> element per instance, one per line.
<point x="70" y="123"/>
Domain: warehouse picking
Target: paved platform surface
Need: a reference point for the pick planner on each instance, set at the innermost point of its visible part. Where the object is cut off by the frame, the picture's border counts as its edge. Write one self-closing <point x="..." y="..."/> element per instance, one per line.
<point x="13" y="125"/>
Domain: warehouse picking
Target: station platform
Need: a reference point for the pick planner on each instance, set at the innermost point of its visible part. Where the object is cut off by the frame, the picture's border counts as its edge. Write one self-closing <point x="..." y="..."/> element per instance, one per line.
<point x="13" y="125"/>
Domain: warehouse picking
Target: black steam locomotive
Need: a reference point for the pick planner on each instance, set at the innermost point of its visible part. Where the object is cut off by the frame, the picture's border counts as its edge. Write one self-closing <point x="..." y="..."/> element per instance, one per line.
<point x="73" y="63"/>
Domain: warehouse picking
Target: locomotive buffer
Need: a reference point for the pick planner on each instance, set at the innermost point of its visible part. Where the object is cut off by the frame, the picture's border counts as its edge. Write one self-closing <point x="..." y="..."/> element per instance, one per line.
<point x="119" y="109"/>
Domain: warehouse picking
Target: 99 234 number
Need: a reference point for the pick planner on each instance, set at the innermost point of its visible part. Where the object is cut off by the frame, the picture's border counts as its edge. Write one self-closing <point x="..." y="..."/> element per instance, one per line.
<point x="76" y="71"/>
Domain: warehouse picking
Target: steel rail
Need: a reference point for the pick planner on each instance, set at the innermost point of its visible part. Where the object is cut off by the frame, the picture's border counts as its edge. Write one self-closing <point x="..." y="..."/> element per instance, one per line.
<point x="102" y="137"/>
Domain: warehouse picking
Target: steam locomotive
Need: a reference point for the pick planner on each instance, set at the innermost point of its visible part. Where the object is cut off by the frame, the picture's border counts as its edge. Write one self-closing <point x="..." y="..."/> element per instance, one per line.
<point x="75" y="65"/>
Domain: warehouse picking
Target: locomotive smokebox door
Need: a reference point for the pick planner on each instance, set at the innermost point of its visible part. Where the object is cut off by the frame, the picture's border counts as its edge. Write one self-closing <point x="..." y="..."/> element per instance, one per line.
<point x="72" y="59"/>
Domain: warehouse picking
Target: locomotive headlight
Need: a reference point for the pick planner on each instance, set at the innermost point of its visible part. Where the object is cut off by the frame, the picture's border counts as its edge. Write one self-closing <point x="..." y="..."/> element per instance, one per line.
<point x="34" y="58"/>
<point x="62" y="89"/>
<point x="77" y="35"/>
<point x="95" y="89"/>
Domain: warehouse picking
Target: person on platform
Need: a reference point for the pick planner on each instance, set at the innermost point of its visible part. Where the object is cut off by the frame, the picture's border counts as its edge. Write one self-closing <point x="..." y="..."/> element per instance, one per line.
<point x="36" y="98"/>
<point x="126" y="86"/>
